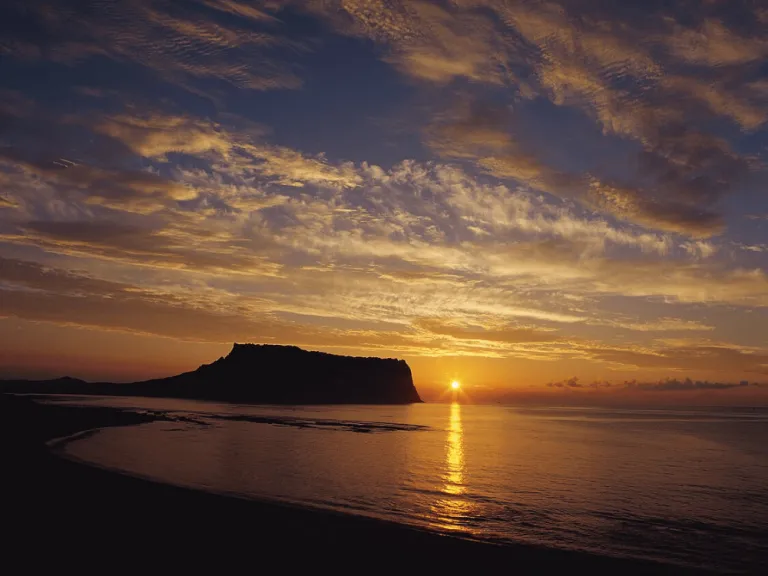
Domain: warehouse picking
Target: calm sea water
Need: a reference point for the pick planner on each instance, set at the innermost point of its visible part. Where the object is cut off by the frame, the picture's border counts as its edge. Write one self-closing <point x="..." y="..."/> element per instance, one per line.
<point x="683" y="486"/>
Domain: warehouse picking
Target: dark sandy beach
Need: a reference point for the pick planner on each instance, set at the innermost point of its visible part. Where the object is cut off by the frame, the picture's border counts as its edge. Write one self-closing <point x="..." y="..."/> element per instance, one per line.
<point x="64" y="514"/>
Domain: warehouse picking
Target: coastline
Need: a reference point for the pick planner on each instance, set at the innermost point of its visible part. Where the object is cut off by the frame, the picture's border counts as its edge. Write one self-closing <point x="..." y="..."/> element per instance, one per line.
<point x="68" y="513"/>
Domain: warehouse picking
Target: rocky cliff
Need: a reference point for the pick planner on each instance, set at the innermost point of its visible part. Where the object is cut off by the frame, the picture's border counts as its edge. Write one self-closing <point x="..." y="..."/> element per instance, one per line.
<point x="267" y="374"/>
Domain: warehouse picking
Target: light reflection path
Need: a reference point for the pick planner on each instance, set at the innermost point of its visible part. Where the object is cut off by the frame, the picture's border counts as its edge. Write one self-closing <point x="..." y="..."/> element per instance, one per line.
<point x="452" y="510"/>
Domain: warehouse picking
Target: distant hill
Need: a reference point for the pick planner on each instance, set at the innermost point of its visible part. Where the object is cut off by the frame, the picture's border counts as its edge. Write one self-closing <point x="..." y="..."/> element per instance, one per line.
<point x="262" y="374"/>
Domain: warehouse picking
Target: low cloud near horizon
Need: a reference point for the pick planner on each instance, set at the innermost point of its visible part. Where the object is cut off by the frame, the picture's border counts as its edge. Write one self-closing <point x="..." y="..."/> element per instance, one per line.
<point x="667" y="384"/>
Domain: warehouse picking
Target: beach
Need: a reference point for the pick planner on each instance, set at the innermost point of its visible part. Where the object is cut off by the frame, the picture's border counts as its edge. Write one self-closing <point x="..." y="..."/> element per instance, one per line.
<point x="67" y="514"/>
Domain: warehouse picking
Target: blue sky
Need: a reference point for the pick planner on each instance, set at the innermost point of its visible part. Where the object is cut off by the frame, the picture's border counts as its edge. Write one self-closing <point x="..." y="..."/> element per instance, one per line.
<point x="510" y="192"/>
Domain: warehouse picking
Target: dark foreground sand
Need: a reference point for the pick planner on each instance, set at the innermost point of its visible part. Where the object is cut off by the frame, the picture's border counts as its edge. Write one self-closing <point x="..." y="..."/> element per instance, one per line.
<point x="64" y="515"/>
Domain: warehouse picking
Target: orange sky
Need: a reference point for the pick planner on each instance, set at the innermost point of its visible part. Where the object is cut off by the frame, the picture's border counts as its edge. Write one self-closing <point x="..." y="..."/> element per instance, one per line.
<point x="97" y="355"/>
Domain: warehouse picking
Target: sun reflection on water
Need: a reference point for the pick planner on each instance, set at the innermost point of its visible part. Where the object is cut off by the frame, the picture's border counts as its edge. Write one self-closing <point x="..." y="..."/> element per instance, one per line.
<point x="452" y="509"/>
<point x="455" y="453"/>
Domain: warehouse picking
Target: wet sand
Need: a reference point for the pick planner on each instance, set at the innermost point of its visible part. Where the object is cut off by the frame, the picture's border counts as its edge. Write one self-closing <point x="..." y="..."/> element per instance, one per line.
<point x="67" y="515"/>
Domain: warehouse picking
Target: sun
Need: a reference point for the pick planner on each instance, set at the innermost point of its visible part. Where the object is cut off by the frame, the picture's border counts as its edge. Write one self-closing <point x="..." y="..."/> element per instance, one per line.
<point x="455" y="384"/>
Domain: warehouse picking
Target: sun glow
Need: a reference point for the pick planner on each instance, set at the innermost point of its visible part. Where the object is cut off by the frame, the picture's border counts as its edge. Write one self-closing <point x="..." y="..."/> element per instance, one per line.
<point x="455" y="384"/>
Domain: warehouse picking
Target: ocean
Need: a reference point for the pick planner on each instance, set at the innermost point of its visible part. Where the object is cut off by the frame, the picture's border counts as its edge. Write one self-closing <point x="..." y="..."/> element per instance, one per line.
<point x="684" y="486"/>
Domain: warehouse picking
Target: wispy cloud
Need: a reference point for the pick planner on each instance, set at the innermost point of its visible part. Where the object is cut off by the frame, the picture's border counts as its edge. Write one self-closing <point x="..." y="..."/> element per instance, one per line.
<point x="713" y="358"/>
<point x="699" y="248"/>
<point x="660" y="325"/>
<point x="176" y="42"/>
<point x="426" y="40"/>
<point x="607" y="63"/>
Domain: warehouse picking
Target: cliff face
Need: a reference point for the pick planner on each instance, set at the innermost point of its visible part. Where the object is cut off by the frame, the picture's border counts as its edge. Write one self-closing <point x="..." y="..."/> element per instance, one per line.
<point x="267" y="374"/>
<point x="289" y="375"/>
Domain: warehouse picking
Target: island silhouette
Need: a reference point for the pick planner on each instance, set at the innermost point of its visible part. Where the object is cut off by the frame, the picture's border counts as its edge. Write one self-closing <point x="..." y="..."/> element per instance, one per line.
<point x="261" y="374"/>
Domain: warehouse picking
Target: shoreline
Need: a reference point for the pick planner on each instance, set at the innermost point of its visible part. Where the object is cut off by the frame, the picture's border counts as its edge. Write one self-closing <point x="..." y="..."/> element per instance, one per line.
<point x="66" y="511"/>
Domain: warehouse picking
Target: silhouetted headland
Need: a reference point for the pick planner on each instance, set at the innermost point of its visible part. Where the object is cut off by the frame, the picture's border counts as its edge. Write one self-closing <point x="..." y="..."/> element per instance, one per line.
<point x="262" y="374"/>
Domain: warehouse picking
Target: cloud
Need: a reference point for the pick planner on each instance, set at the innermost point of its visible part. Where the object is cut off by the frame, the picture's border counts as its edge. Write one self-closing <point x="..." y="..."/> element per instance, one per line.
<point x="156" y="135"/>
<point x="475" y="130"/>
<point x="672" y="384"/>
<point x="234" y="7"/>
<point x="605" y="62"/>
<point x="251" y="206"/>
<point x="683" y="283"/>
<point x="231" y="159"/>
<point x="753" y="247"/>
<point x="714" y="44"/>
<point x="351" y="307"/>
<point x="486" y="135"/>
<point x="256" y="207"/>
<point x="628" y="70"/>
<point x="712" y="358"/>
<point x="43" y="294"/>
<point x="570" y="383"/>
<point x="631" y="205"/>
<point x="55" y="296"/>
<point x="177" y="43"/>
<point x="427" y="41"/>
<point x="291" y="168"/>
<point x="168" y="248"/>
<point x="699" y="248"/>
<point x="660" y="325"/>
<point x="39" y="293"/>
<point x="131" y="190"/>
<point x="744" y="105"/>
<point x="663" y="385"/>
<point x="511" y="334"/>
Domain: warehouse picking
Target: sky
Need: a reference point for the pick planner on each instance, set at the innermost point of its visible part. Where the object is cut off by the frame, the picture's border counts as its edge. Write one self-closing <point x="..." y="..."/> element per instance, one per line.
<point x="562" y="200"/>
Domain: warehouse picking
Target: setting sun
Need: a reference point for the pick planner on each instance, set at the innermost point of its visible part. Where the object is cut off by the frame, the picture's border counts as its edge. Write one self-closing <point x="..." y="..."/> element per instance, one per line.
<point x="455" y="385"/>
